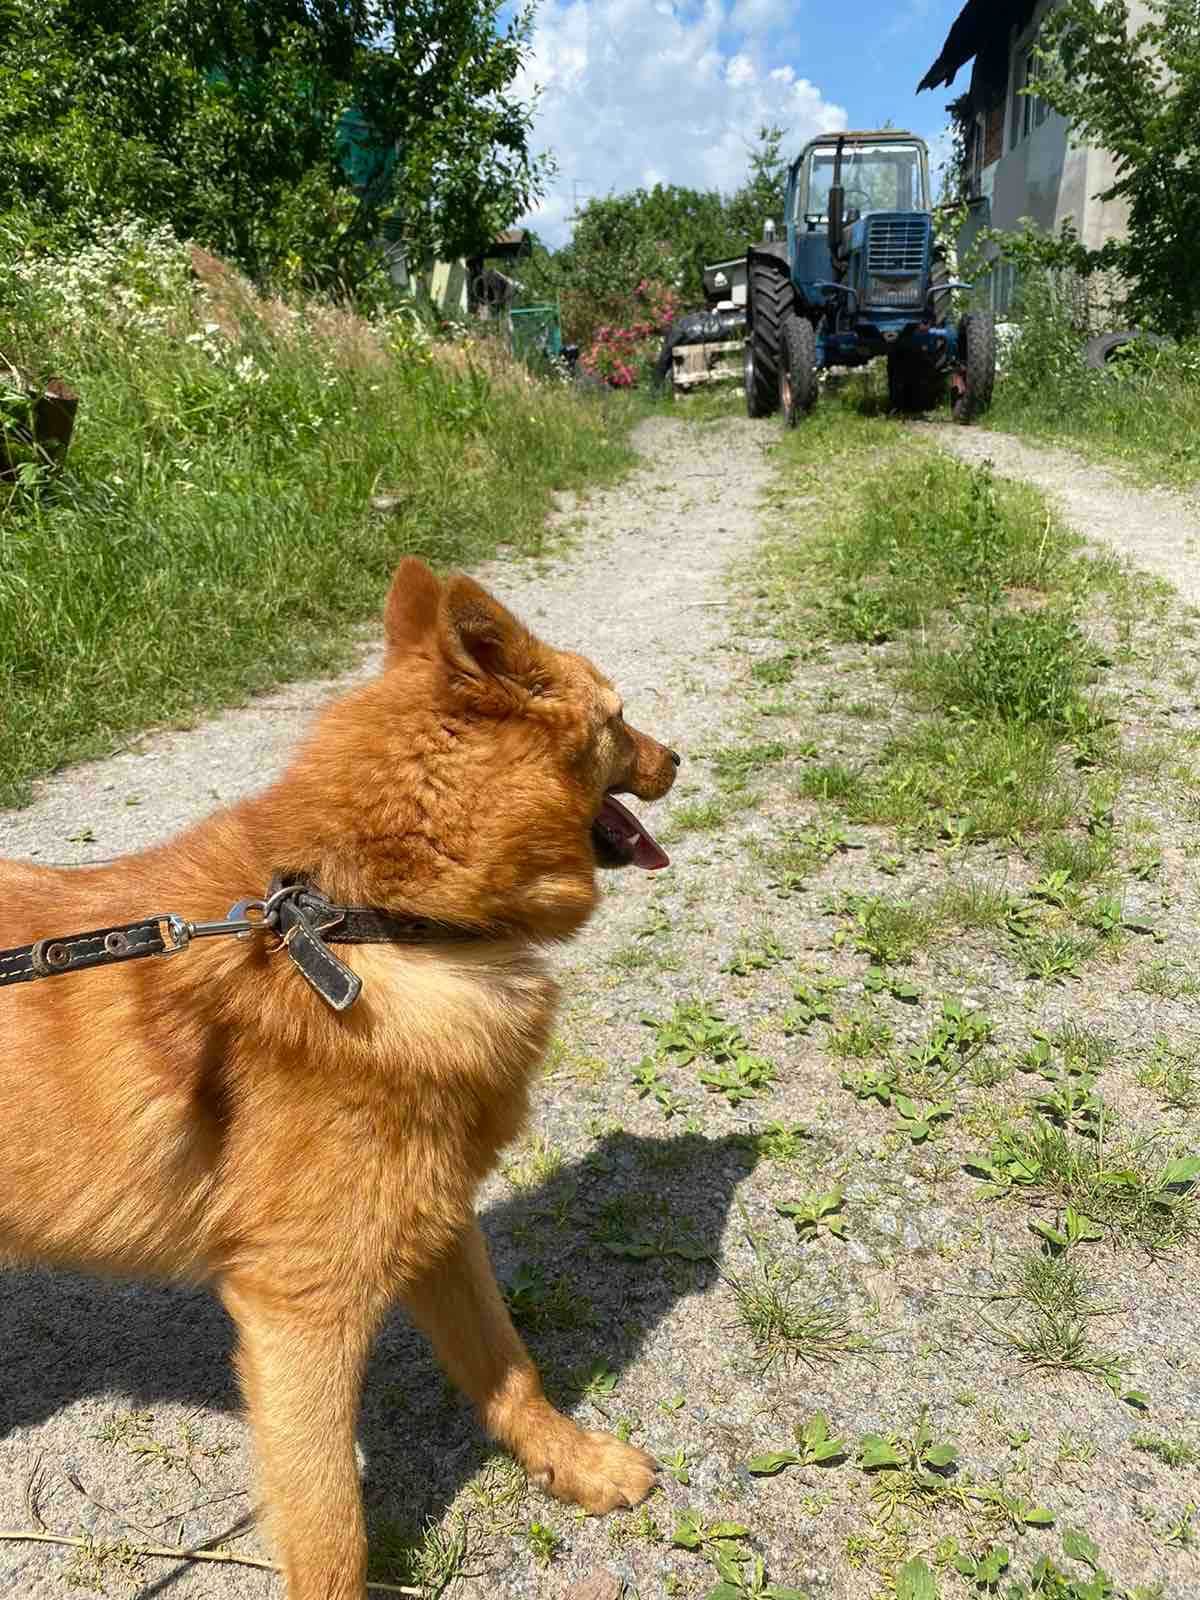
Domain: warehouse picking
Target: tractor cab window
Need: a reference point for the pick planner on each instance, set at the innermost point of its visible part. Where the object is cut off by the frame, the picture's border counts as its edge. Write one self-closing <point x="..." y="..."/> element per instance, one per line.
<point x="877" y="177"/>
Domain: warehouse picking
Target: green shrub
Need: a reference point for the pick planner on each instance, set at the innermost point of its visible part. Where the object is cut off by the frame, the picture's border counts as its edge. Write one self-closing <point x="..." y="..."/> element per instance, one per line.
<point x="1142" y="408"/>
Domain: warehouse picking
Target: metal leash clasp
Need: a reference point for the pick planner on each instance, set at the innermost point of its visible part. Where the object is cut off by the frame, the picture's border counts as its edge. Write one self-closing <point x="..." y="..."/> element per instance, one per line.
<point x="243" y="920"/>
<point x="245" y="917"/>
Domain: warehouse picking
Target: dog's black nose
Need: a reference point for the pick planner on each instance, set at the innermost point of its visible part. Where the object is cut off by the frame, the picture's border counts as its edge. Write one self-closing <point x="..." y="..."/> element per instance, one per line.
<point x="675" y="756"/>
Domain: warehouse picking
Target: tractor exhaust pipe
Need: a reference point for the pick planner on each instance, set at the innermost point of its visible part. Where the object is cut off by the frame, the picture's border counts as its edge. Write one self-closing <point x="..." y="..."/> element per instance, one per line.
<point x="836" y="206"/>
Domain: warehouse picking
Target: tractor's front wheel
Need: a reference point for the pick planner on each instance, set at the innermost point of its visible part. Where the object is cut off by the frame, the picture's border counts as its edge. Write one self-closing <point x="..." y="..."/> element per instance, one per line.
<point x="770" y="299"/>
<point x="797" y="369"/>
<point x="974" y="377"/>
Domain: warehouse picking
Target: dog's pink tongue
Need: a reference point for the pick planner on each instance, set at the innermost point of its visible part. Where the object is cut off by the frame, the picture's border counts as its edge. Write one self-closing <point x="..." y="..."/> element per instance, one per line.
<point x="647" y="852"/>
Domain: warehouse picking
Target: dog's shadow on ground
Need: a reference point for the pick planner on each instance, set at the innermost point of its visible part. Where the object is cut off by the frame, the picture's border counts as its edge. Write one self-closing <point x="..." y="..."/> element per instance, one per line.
<point x="593" y="1256"/>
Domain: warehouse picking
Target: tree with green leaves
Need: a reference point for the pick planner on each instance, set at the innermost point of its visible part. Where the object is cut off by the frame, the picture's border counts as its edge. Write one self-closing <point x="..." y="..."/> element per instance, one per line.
<point x="761" y="196"/>
<point x="286" y="134"/>
<point x="1137" y="95"/>
<point x="667" y="234"/>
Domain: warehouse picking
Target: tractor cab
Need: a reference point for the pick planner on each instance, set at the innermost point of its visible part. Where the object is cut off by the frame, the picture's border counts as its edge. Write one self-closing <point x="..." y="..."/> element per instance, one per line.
<point x="886" y="171"/>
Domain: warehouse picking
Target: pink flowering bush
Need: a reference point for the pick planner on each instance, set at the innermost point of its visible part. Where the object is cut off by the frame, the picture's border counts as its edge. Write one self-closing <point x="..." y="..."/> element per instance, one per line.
<point x="617" y="354"/>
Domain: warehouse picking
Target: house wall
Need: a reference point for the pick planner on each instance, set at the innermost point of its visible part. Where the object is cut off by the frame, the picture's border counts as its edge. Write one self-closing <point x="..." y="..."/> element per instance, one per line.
<point x="1042" y="174"/>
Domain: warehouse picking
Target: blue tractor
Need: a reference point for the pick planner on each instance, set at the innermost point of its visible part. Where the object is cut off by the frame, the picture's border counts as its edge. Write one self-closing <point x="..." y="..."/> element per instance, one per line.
<point x="858" y="275"/>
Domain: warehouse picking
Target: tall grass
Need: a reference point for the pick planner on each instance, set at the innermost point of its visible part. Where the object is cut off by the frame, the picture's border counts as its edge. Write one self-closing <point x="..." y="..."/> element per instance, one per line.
<point x="979" y="593"/>
<point x="925" y="534"/>
<point x="1142" y="410"/>
<point x="214" y="528"/>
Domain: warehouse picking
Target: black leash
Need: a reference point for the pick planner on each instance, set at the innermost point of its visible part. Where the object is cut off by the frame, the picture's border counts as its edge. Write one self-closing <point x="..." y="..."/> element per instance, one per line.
<point x="304" y="921"/>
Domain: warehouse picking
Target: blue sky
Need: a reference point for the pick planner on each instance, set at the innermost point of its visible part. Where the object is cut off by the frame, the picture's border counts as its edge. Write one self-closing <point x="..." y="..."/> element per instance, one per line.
<point x="639" y="91"/>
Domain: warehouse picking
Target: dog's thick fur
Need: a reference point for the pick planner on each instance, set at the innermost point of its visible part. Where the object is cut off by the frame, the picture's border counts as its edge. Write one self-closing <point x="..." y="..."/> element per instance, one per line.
<point x="208" y="1117"/>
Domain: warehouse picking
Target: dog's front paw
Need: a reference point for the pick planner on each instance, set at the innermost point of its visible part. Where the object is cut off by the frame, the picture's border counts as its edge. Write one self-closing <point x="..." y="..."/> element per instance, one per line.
<point x="592" y="1470"/>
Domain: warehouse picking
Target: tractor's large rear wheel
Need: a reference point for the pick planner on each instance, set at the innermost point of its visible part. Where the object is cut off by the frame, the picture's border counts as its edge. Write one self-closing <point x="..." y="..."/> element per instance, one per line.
<point x="974" y="377"/>
<point x="770" y="296"/>
<point x="798" y="368"/>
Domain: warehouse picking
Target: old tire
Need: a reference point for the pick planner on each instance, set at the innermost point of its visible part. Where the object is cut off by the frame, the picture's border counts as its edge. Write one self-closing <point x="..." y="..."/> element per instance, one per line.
<point x="913" y="385"/>
<point x="770" y="296"/>
<point x="1098" y="352"/>
<point x="797" y="368"/>
<point x="975" y="375"/>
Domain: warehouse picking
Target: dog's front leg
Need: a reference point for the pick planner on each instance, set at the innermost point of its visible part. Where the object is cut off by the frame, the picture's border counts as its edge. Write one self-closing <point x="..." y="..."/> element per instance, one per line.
<point x="459" y="1307"/>
<point x="301" y="1368"/>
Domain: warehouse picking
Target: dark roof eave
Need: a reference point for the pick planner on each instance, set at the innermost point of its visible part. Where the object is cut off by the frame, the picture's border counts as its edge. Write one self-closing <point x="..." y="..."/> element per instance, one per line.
<point x="962" y="43"/>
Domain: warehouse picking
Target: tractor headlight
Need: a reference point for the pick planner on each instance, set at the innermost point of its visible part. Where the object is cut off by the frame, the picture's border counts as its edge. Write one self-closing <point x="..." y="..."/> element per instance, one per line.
<point x="904" y="292"/>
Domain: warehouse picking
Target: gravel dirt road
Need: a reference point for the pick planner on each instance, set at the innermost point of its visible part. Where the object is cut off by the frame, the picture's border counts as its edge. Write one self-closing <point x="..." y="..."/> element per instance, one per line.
<point x="1158" y="529"/>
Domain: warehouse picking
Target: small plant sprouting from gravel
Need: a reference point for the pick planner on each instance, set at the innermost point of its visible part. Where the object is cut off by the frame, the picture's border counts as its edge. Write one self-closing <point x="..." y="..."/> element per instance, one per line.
<point x="648" y="1081"/>
<point x="1052" y="1303"/>
<point x="920" y="1453"/>
<point x="1126" y="1185"/>
<point x="534" y="1164"/>
<point x="745" y="1077"/>
<point x="1067" y="1231"/>
<point x="775" y="670"/>
<point x="1168" y="979"/>
<point x="796" y="853"/>
<point x="785" y="1321"/>
<point x="813" y="1003"/>
<point x="859" y="1035"/>
<point x="696" y="1033"/>
<point x="1172" y="1075"/>
<point x="697" y="816"/>
<point x="430" y="1561"/>
<point x="742" y="1574"/>
<point x="780" y="1141"/>
<point x="735" y="766"/>
<point x="815" y="1214"/>
<point x="537" y="1301"/>
<point x="889" y="932"/>
<point x="1053" y="958"/>
<point x="544" y="1543"/>
<point x="759" y="954"/>
<point x="814" y="1447"/>
<point x="1175" y="1453"/>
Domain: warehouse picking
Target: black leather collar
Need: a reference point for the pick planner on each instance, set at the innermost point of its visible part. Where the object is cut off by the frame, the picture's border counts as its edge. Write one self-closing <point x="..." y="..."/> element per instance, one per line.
<point x="305" y="922"/>
<point x="308" y="924"/>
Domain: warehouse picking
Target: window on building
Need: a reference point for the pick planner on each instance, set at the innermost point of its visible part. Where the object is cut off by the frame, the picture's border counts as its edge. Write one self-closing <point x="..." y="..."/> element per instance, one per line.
<point x="976" y="162"/>
<point x="1029" y="110"/>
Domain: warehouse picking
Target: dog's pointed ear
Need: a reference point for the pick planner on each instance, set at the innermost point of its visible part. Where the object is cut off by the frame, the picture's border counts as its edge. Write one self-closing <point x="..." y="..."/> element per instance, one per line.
<point x="483" y="639"/>
<point x="410" y="615"/>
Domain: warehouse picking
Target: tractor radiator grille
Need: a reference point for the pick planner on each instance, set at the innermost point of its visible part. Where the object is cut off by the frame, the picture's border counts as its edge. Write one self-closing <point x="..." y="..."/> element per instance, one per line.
<point x="896" y="260"/>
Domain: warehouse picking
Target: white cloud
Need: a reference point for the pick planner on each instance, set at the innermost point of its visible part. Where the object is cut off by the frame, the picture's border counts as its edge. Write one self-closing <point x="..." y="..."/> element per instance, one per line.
<point x="640" y="91"/>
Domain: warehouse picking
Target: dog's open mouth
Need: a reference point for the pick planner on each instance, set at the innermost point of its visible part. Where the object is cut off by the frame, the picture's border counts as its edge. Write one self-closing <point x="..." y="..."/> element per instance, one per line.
<point x="620" y="840"/>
